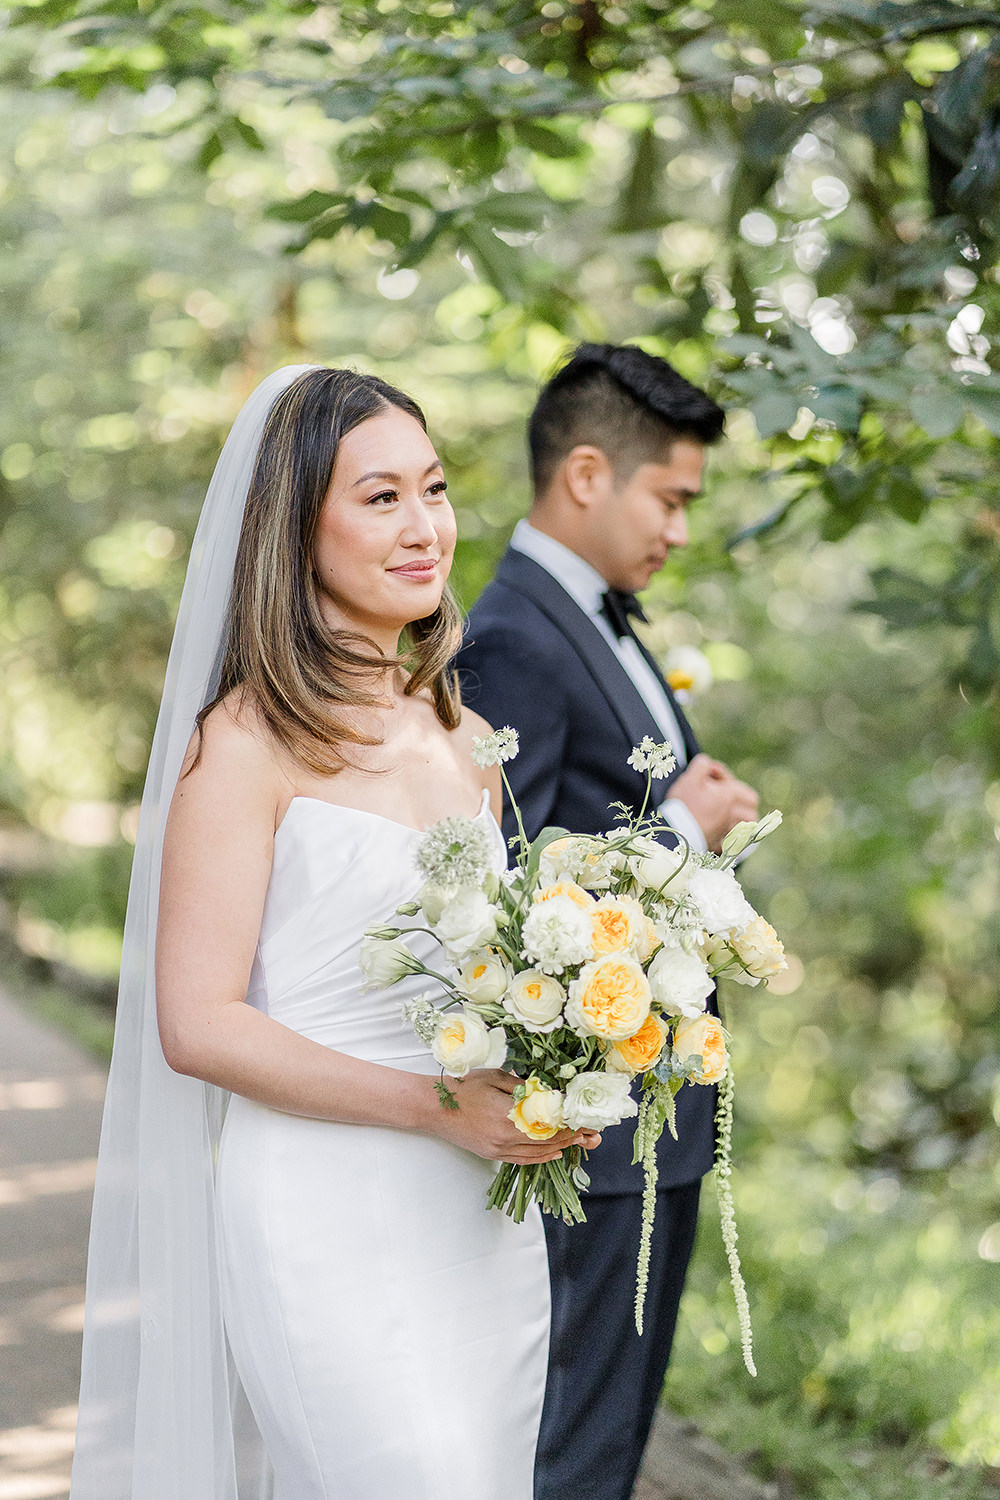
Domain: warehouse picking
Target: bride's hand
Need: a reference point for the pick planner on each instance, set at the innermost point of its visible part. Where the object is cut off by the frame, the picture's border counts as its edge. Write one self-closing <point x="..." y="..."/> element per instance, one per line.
<point x="480" y="1122"/>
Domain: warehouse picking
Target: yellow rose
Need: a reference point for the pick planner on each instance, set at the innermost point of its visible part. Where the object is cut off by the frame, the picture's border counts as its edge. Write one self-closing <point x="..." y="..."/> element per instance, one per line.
<point x="576" y="893"/>
<point x="636" y="1054"/>
<point x="760" y="950"/>
<point x="539" y="1115"/>
<point x="620" y="925"/>
<point x="702" y="1038"/>
<point x="611" y="999"/>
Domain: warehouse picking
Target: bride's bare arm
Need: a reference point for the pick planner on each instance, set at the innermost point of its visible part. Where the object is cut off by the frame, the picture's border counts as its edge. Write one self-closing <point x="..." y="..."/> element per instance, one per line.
<point x="216" y="865"/>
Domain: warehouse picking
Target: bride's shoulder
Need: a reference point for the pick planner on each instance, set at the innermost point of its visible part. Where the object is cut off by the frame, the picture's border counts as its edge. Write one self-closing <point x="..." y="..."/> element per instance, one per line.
<point x="471" y="726"/>
<point x="233" y="743"/>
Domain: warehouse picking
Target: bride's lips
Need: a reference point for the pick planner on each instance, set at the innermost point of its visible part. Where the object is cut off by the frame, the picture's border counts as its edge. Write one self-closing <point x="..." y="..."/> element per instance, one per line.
<point x="419" y="572"/>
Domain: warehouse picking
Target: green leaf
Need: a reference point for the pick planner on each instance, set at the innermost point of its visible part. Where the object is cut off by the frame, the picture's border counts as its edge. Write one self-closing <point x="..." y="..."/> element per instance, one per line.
<point x="839" y="404"/>
<point x="538" y="845"/>
<point x="984" y="403"/>
<point x="638" y="201"/>
<point x="774" y="412"/>
<point x="545" y="140"/>
<point x="938" y="410"/>
<point x="310" y="206"/>
<point x="904" y="495"/>
<point x="211" y="149"/>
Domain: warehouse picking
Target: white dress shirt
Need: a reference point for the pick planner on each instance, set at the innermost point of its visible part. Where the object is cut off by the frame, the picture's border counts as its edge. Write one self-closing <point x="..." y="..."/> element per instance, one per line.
<point x="585" y="587"/>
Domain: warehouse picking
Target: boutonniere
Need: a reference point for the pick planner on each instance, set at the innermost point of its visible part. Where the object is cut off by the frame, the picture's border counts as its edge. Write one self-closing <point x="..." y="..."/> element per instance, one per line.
<point x="688" y="672"/>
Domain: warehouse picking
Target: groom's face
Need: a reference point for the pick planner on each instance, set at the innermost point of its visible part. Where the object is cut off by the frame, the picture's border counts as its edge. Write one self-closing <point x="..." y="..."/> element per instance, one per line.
<point x="637" y="519"/>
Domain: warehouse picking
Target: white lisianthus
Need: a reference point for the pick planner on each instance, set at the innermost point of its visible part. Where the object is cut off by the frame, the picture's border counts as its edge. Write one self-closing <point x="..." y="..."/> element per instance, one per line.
<point x="760" y="950"/>
<point x="594" y="1100"/>
<point x="433" y="899"/>
<point x="656" y="867"/>
<point x="466" y="923"/>
<point x="556" y="934"/>
<point x="536" y="1000"/>
<point x="384" y="961"/>
<point x="463" y="1041"/>
<point x="721" y="905"/>
<point x="483" y="977"/>
<point x="679" y="981"/>
<point x="742" y="835"/>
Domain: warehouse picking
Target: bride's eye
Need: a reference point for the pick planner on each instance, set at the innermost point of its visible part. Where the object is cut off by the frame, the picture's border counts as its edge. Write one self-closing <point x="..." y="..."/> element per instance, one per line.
<point x="384" y="498"/>
<point x="439" y="488"/>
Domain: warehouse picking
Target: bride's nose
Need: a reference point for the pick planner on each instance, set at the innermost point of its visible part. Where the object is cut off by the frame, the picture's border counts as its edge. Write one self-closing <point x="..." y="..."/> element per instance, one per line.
<point x="419" y="529"/>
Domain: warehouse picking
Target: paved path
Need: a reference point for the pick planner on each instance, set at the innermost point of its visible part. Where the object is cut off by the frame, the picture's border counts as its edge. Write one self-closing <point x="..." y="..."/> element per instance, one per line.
<point x="50" y="1114"/>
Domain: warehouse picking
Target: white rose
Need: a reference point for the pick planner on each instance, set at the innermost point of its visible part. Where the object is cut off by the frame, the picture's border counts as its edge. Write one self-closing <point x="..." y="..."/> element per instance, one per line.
<point x="463" y="1041"/>
<point x="594" y="1100"/>
<point x="536" y="1000"/>
<point x="556" y="934"/>
<point x="679" y="981"/>
<point x="483" y="977"/>
<point x="467" y="922"/>
<point x="385" y="961"/>
<point x="722" y="906"/>
<point x="656" y="867"/>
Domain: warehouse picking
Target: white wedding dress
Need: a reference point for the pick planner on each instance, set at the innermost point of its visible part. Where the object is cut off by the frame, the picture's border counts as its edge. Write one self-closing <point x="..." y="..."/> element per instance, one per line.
<point x="390" y="1331"/>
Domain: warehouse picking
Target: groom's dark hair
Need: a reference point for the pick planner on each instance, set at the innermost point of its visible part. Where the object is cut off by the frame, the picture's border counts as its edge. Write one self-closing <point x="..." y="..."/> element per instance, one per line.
<point x="630" y="404"/>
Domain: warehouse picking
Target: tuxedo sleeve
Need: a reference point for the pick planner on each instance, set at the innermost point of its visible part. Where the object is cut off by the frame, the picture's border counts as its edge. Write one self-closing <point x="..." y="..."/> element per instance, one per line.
<point x="511" y="681"/>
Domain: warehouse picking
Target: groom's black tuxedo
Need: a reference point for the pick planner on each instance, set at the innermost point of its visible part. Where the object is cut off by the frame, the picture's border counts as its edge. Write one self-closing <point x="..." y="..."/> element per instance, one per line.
<point x="533" y="659"/>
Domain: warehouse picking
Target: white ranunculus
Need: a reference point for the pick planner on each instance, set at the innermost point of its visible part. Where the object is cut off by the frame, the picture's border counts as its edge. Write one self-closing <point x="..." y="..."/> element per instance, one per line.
<point x="556" y="934"/>
<point x="722" y="906"/>
<point x="463" y="1041"/>
<point x="594" y="1100"/>
<point x="655" y="866"/>
<point x="679" y="981"/>
<point x="483" y="977"/>
<point x="385" y="961"/>
<point x="536" y="1000"/>
<point x="466" y="923"/>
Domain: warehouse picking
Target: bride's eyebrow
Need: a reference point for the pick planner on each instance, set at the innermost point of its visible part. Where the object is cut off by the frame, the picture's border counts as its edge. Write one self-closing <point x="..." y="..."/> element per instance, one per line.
<point x="385" y="474"/>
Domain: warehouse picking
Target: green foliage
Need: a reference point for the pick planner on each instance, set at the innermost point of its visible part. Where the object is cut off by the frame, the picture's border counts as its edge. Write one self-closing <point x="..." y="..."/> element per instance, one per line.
<point x="798" y="206"/>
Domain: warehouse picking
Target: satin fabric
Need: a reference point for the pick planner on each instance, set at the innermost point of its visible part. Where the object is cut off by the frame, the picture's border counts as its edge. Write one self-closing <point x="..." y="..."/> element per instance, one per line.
<point x="391" y="1333"/>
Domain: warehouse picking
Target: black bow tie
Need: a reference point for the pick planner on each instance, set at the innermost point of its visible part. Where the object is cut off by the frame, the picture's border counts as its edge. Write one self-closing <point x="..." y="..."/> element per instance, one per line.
<point x="617" y="606"/>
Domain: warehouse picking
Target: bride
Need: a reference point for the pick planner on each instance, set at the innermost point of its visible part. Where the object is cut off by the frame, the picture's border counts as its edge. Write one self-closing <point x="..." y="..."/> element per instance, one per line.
<point x="312" y="1302"/>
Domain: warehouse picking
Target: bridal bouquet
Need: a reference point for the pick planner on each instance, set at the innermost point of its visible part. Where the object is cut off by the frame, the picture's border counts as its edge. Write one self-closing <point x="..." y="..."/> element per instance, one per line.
<point x="585" y="966"/>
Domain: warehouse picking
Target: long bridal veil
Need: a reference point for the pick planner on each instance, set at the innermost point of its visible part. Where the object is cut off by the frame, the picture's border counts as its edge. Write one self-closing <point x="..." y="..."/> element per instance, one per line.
<point x="161" y="1415"/>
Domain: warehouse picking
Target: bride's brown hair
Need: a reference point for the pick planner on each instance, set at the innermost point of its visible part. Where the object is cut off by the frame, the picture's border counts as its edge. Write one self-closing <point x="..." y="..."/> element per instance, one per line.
<point x="280" y="652"/>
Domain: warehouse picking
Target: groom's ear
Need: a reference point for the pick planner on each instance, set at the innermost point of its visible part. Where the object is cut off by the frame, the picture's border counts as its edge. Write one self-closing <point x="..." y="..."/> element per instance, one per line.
<point x="588" y="475"/>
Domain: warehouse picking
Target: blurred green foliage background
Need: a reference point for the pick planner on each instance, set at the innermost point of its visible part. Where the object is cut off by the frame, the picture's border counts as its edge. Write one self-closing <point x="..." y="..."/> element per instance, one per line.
<point x="799" y="206"/>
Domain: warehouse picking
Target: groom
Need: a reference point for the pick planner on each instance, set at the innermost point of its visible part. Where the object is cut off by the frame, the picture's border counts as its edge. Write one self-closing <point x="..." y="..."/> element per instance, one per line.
<point x="617" y="443"/>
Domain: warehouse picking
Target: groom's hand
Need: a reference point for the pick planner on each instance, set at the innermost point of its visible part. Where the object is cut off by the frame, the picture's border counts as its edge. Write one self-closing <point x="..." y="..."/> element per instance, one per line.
<point x="715" y="797"/>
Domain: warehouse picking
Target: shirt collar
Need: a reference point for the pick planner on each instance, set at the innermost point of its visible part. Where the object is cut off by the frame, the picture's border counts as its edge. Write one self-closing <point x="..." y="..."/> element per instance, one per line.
<point x="582" y="582"/>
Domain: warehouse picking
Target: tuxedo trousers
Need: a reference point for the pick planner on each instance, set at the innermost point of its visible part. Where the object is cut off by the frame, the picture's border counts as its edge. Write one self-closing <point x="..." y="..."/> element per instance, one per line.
<point x="604" y="1380"/>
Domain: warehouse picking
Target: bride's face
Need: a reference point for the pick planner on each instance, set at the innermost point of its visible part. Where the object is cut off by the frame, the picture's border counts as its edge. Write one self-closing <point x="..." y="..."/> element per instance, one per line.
<point x="386" y="534"/>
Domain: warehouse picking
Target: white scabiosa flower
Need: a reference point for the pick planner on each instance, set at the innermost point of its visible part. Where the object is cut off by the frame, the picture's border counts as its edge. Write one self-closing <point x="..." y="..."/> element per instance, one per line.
<point x="384" y="961"/>
<point x="723" y="909"/>
<point x="495" y="748"/>
<point x="483" y="977"/>
<point x="467" y="922"/>
<point x="536" y="1000"/>
<point x="595" y="1100"/>
<point x="422" y="1016"/>
<point x="556" y="934"/>
<point x="455" y="852"/>
<point x="656" y="758"/>
<point x="679" y="981"/>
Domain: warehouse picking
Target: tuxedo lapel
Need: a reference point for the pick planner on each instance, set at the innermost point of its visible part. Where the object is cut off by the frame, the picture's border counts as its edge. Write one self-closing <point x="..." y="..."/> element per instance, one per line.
<point x="522" y="574"/>
<point x="691" y="746"/>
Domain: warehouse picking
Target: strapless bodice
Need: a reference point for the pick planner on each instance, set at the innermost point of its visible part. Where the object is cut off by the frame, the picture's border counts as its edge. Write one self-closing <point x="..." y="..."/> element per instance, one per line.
<point x="336" y="872"/>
